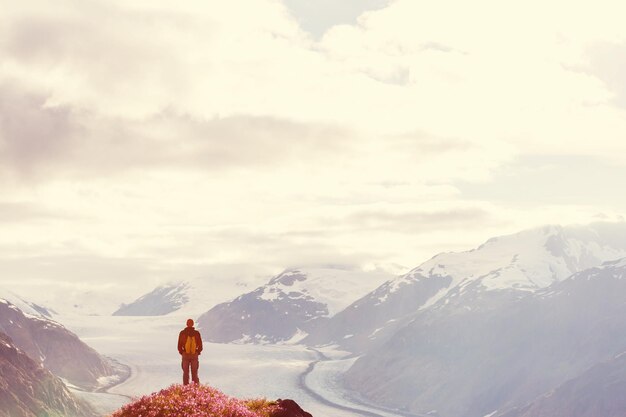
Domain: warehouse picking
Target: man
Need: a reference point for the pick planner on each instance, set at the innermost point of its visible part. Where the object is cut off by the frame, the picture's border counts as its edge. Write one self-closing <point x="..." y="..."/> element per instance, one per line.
<point x="189" y="347"/>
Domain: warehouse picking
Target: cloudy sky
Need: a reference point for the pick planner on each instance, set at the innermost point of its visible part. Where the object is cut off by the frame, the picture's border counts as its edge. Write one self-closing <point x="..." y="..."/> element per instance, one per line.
<point x="159" y="140"/>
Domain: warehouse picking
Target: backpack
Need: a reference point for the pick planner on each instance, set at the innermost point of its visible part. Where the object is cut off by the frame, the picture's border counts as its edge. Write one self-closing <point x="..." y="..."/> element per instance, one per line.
<point x="190" y="344"/>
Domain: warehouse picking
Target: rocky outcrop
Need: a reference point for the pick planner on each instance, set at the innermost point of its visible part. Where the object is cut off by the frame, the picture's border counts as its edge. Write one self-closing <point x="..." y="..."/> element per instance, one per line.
<point x="29" y="390"/>
<point x="289" y="408"/>
<point x="53" y="346"/>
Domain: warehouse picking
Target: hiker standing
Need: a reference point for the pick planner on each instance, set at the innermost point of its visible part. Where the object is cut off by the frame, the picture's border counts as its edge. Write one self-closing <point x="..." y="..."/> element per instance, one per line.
<point x="190" y="346"/>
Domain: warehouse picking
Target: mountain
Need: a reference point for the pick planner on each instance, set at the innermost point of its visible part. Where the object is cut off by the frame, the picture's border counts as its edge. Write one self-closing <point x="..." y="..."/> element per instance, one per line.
<point x="474" y="352"/>
<point x="189" y="298"/>
<point x="29" y="390"/>
<point x="53" y="346"/>
<point x="289" y="306"/>
<point x="524" y="262"/>
<point x="26" y="306"/>
<point x="158" y="302"/>
<point x="597" y="392"/>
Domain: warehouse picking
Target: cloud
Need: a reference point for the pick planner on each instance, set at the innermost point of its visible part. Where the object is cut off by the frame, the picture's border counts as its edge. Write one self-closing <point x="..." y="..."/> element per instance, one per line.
<point x="420" y="221"/>
<point x="223" y="137"/>
<point x="557" y="178"/>
<point x="608" y="62"/>
<point x="39" y="138"/>
<point x="19" y="212"/>
<point x="317" y="17"/>
<point x="136" y="61"/>
<point x="407" y="67"/>
<point x="495" y="81"/>
<point x="31" y="131"/>
<point x="251" y="141"/>
<point x="421" y="143"/>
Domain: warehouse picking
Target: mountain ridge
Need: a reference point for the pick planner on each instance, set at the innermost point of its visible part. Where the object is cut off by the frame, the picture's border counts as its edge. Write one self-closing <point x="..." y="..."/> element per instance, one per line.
<point x="55" y="347"/>
<point x="27" y="389"/>
<point x="526" y="261"/>
<point x="288" y="307"/>
<point x="599" y="391"/>
<point x="468" y="357"/>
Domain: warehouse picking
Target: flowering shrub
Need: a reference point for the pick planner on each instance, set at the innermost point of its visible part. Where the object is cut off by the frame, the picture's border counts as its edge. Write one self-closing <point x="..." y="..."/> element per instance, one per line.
<point x="194" y="401"/>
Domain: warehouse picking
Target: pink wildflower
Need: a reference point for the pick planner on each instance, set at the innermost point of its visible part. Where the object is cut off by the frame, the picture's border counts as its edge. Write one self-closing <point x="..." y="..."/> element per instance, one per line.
<point x="194" y="401"/>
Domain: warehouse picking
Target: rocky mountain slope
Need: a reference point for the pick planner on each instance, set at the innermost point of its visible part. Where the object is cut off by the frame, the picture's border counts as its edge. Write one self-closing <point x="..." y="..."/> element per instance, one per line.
<point x="597" y="392"/>
<point x="288" y="307"/>
<point x="28" y="390"/>
<point x="524" y="262"/>
<point x="53" y="346"/>
<point x="474" y="352"/>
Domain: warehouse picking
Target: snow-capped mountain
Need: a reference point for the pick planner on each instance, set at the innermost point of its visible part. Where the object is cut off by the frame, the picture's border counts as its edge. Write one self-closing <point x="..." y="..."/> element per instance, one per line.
<point x="52" y="345"/>
<point x="289" y="306"/>
<point x="27" y="389"/>
<point x="27" y="307"/>
<point x="158" y="302"/>
<point x="476" y="352"/>
<point x="56" y="301"/>
<point x="186" y="298"/>
<point x="523" y="262"/>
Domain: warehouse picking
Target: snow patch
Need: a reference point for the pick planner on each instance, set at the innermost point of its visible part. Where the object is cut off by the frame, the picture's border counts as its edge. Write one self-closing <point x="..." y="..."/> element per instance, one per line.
<point x="527" y="261"/>
<point x="433" y="300"/>
<point x="17" y="303"/>
<point x="373" y="334"/>
<point x="107" y="381"/>
<point x="298" y="336"/>
<point x="270" y="294"/>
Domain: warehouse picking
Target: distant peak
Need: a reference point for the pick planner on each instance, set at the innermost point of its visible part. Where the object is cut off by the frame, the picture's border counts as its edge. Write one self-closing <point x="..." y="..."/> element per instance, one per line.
<point x="288" y="277"/>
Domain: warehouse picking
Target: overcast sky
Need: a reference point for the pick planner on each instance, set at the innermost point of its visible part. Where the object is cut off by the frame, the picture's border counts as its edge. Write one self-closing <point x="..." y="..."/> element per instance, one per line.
<point x="163" y="140"/>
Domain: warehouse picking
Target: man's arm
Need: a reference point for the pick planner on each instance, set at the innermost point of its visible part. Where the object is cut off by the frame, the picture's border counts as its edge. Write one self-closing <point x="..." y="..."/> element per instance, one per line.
<point x="199" y="343"/>
<point x="181" y="343"/>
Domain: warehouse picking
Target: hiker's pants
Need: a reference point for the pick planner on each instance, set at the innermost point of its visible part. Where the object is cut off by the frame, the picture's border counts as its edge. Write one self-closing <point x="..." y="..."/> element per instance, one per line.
<point x="190" y="362"/>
